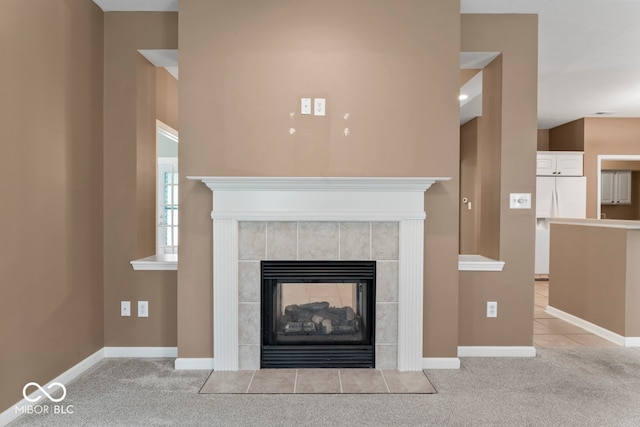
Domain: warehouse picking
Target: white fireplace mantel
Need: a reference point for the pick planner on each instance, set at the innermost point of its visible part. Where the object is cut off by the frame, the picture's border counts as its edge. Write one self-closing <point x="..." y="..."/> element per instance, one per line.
<point x="398" y="199"/>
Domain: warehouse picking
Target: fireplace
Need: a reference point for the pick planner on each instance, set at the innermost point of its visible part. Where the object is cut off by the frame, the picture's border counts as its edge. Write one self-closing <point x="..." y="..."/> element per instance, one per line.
<point x="318" y="314"/>
<point x="320" y="203"/>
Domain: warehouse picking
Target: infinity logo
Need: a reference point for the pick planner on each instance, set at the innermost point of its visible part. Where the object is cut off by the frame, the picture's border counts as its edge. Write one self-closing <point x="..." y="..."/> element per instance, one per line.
<point x="43" y="391"/>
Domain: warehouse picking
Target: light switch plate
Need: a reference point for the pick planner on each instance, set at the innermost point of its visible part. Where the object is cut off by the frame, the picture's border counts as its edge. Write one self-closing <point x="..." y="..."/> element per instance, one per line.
<point x="520" y="200"/>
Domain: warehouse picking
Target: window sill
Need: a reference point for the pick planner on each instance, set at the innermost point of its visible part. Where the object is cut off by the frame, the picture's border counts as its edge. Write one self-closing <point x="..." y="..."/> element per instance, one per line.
<point x="478" y="263"/>
<point x="156" y="262"/>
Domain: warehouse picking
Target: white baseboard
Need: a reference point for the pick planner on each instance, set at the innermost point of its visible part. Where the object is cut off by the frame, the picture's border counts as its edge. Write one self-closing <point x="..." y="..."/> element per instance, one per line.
<point x="440" y="363"/>
<point x="632" y="342"/>
<point x="141" y="352"/>
<point x="70" y="374"/>
<point x="186" y="363"/>
<point x="496" y="351"/>
<point x="588" y="326"/>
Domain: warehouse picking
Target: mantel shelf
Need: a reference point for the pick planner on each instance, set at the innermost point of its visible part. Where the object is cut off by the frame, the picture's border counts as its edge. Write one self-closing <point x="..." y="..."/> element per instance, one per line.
<point x="266" y="183"/>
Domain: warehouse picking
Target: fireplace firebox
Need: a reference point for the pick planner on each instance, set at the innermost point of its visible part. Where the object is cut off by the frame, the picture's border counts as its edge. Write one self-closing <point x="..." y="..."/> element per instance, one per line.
<point x="318" y="314"/>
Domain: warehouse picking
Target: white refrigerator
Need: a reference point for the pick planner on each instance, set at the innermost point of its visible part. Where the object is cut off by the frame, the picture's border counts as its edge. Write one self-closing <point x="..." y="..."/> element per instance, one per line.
<point x="556" y="197"/>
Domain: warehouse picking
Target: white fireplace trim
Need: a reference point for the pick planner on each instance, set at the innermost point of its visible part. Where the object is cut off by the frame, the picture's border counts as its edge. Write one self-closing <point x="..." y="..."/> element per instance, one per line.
<point x="317" y="199"/>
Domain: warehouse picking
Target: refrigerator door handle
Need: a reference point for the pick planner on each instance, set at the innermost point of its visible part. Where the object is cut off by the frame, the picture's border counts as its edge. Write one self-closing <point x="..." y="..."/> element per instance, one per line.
<point x="554" y="202"/>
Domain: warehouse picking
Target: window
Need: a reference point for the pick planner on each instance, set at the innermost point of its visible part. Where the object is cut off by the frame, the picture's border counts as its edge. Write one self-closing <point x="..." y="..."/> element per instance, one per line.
<point x="167" y="191"/>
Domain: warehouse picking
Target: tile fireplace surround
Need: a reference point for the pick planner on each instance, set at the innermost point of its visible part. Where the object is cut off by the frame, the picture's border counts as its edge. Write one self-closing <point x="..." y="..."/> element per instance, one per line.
<point x="257" y="218"/>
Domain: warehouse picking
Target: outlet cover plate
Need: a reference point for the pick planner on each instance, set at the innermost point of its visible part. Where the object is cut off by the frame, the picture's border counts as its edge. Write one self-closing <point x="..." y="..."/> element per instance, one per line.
<point x="143" y="308"/>
<point x="492" y="309"/>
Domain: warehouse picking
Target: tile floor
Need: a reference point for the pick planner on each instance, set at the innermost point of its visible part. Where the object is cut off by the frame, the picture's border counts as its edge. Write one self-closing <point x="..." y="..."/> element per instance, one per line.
<point x="551" y="332"/>
<point x="334" y="381"/>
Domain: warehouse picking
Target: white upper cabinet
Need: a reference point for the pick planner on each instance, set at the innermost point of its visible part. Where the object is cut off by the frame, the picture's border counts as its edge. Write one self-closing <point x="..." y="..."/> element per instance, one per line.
<point x="615" y="188"/>
<point x="552" y="163"/>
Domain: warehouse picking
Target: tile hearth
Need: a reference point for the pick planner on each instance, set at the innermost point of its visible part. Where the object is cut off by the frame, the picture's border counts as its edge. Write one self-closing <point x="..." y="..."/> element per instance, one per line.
<point x="317" y="381"/>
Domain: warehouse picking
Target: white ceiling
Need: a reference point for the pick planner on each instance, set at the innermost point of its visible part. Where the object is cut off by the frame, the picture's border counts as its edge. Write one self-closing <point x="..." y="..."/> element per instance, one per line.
<point x="589" y="55"/>
<point x="589" y="52"/>
<point x="138" y="5"/>
<point x="167" y="58"/>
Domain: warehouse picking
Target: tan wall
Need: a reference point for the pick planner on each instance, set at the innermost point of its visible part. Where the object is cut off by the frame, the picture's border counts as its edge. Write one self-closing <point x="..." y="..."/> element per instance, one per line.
<point x="467" y="74"/>
<point x="166" y="98"/>
<point x="596" y="136"/>
<point x="543" y="139"/>
<point x="606" y="136"/>
<point x="567" y="137"/>
<point x="630" y="211"/>
<point x="629" y="165"/>
<point x="489" y="158"/>
<point x="589" y="284"/>
<point x="469" y="187"/>
<point x="51" y="307"/>
<point x="129" y="170"/>
<point x="632" y="294"/>
<point x="244" y="67"/>
<point x="480" y="226"/>
<point x="516" y="37"/>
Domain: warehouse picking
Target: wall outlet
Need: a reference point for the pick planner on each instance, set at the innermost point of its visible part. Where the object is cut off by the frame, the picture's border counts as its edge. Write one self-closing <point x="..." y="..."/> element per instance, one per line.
<point x="319" y="105"/>
<point x="492" y="309"/>
<point x="143" y="308"/>
<point x="125" y="308"/>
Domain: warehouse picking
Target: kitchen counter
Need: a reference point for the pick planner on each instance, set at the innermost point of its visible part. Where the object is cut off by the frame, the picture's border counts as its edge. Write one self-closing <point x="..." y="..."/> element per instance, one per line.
<point x="594" y="276"/>
<point x="611" y="223"/>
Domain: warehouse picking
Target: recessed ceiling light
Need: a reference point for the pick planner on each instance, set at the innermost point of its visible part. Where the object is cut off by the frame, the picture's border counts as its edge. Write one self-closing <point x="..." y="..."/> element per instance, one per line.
<point x="463" y="96"/>
<point x="604" y="113"/>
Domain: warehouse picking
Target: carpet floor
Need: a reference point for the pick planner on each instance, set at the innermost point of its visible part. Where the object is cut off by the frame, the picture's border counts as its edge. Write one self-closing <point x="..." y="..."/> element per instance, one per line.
<point x="568" y="387"/>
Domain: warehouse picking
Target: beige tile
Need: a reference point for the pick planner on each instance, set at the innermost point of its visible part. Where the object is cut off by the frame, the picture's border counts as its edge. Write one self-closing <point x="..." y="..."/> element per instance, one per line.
<point x="252" y="240"/>
<point x="362" y="381"/>
<point x="282" y="240"/>
<point x="227" y="382"/>
<point x="387" y="281"/>
<point x="387" y="323"/>
<point x="561" y="327"/>
<point x="273" y="381"/>
<point x="407" y="382"/>
<point x="541" y="290"/>
<point x="249" y="357"/>
<point x="385" y="241"/>
<point x="540" y="313"/>
<point x="591" y="340"/>
<point x="541" y="329"/>
<point x="355" y="240"/>
<point x="249" y="281"/>
<point x="554" y="341"/>
<point x="540" y="301"/>
<point x="386" y="356"/>
<point x="248" y="323"/>
<point x="318" y="381"/>
<point x="318" y="241"/>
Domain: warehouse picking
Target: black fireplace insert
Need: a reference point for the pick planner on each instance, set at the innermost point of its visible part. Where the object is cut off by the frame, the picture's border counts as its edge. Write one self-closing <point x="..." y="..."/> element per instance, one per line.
<point x="318" y="314"/>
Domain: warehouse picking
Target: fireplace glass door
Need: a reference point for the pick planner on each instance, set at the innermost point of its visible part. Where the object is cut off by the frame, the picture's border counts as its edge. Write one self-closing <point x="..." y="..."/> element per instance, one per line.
<point x="318" y="313"/>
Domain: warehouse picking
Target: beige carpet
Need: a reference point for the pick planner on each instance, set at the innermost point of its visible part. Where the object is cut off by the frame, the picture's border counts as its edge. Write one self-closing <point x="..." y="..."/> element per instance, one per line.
<point x="317" y="381"/>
